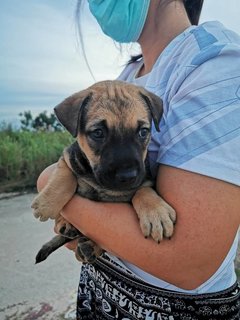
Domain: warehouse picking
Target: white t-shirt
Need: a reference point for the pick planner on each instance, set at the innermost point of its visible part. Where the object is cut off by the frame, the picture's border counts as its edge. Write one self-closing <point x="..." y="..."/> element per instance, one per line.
<point x="198" y="78"/>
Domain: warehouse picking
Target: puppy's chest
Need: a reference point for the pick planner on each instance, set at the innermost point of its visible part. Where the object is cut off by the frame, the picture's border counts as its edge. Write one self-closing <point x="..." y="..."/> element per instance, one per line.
<point x="89" y="188"/>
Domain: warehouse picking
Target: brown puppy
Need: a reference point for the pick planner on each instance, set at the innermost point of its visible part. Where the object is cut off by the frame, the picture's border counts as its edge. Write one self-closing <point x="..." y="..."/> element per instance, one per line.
<point x="111" y="122"/>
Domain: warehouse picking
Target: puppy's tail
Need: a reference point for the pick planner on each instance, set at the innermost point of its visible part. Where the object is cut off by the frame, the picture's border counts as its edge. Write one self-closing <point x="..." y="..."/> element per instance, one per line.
<point x="49" y="247"/>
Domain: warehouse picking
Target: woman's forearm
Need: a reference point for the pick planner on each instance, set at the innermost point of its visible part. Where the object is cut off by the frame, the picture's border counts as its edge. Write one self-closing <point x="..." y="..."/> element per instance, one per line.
<point x="115" y="227"/>
<point x="105" y="223"/>
<point x="200" y="240"/>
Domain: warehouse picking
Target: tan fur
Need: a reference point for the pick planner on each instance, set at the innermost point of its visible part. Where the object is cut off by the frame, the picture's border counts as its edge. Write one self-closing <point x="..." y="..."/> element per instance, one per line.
<point x="49" y="203"/>
<point x="146" y="200"/>
<point x="155" y="215"/>
<point x="114" y="116"/>
<point x="83" y="143"/>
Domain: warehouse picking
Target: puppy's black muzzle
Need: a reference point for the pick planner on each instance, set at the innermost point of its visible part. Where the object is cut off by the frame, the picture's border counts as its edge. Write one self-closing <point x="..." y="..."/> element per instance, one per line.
<point x="121" y="178"/>
<point x="121" y="175"/>
<point x="121" y="166"/>
<point x="128" y="175"/>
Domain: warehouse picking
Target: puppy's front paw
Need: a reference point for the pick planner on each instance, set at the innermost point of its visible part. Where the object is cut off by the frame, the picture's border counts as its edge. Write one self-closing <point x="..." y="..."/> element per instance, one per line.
<point x="43" y="208"/>
<point x="158" y="220"/>
<point x="87" y="250"/>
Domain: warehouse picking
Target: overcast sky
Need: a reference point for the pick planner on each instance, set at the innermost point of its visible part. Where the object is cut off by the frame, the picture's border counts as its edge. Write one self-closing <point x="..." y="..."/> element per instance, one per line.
<point x="41" y="62"/>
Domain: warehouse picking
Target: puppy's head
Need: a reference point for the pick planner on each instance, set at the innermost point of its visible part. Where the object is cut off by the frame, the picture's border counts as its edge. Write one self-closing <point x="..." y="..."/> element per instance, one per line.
<point x="112" y="123"/>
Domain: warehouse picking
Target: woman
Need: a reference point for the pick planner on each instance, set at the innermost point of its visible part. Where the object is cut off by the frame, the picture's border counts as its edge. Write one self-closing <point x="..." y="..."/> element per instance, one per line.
<point x="195" y="157"/>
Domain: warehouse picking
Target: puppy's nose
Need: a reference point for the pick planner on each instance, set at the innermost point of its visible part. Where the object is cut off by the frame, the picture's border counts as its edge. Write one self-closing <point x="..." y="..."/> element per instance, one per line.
<point x="126" y="175"/>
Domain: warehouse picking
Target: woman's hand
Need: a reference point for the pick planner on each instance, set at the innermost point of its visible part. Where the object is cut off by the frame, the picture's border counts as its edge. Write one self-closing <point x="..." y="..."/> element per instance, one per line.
<point x="44" y="176"/>
<point x="72" y="245"/>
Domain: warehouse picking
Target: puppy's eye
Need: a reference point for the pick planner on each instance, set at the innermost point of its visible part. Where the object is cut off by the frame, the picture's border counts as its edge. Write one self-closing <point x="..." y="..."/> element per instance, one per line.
<point x="143" y="132"/>
<point x="97" y="134"/>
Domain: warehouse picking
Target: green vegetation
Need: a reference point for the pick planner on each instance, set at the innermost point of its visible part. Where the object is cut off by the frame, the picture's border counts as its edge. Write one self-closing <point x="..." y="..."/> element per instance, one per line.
<point x="238" y="273"/>
<point x="25" y="153"/>
<point x="42" y="122"/>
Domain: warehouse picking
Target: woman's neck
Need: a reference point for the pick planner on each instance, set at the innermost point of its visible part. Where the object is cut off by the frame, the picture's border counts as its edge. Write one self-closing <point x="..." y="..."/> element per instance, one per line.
<point x="165" y="20"/>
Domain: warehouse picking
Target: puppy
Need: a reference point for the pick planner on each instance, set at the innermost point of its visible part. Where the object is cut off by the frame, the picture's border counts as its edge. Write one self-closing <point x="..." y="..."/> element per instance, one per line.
<point x="111" y="122"/>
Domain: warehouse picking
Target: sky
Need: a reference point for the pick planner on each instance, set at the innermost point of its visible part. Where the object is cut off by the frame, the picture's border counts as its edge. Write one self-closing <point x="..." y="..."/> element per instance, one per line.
<point x="41" y="62"/>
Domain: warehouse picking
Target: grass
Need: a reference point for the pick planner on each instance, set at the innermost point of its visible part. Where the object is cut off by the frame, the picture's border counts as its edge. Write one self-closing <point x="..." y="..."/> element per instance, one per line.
<point x="24" y="154"/>
<point x="238" y="273"/>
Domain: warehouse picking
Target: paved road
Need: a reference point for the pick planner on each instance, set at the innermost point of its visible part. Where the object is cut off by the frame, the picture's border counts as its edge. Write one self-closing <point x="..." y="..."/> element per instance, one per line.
<point x="28" y="291"/>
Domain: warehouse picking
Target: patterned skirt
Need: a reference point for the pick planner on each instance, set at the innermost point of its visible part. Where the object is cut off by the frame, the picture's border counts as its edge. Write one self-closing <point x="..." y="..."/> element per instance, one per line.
<point x="109" y="291"/>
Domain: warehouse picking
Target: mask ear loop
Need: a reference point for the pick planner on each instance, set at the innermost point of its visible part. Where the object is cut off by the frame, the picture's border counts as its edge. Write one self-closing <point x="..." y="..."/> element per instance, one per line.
<point x="80" y="36"/>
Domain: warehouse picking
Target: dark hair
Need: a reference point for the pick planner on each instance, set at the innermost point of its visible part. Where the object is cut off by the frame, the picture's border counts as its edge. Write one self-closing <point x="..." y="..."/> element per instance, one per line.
<point x="193" y="9"/>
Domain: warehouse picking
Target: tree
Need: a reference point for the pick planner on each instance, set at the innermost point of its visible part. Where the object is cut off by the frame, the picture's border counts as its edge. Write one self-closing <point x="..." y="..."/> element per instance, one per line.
<point x="26" y="121"/>
<point x="42" y="122"/>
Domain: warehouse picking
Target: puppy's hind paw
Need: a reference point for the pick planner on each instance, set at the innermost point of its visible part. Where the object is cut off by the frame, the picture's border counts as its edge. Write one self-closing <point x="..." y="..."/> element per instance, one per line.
<point x="69" y="231"/>
<point x="87" y="250"/>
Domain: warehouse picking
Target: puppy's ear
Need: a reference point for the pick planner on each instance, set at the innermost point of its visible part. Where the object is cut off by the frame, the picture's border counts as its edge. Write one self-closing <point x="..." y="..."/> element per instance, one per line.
<point x="155" y="105"/>
<point x="69" y="111"/>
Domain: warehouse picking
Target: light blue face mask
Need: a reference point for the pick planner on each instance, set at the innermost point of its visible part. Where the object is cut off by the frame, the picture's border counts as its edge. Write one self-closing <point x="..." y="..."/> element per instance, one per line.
<point x="122" y="20"/>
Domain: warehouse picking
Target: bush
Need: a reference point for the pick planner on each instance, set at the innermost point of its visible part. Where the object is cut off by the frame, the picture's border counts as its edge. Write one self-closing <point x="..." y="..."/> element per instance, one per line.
<point x="24" y="154"/>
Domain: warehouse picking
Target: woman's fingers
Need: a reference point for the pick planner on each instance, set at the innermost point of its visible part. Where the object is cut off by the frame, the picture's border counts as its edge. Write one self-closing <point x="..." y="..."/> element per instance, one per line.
<point x="44" y="176"/>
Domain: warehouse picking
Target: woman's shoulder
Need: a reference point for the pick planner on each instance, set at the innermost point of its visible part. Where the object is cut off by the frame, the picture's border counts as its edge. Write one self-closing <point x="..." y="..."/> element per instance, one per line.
<point x="200" y="54"/>
<point x="199" y="44"/>
<point x="211" y="40"/>
<point x="213" y="32"/>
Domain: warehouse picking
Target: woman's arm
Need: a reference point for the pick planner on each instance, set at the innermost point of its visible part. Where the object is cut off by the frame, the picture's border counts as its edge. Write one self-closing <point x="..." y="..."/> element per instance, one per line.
<point x="208" y="215"/>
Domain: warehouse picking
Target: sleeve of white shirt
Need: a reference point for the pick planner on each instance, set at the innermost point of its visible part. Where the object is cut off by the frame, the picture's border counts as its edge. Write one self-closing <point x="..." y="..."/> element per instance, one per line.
<point x="201" y="128"/>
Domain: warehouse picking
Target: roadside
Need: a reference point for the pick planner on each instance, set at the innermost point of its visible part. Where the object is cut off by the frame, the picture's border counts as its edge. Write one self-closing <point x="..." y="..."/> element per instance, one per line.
<point x="27" y="291"/>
